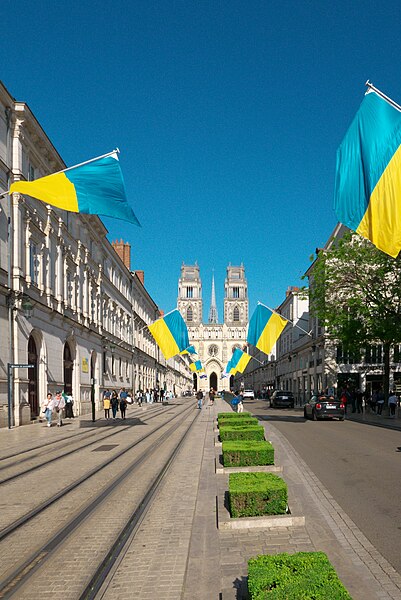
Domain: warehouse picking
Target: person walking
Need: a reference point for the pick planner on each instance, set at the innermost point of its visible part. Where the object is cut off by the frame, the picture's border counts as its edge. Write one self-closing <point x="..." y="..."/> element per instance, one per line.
<point x="59" y="404"/>
<point x="123" y="407"/>
<point x="199" y="397"/>
<point x="359" y="401"/>
<point x="211" y="396"/>
<point x="106" y="406"/>
<point x="392" y="404"/>
<point x="240" y="405"/>
<point x="114" y="404"/>
<point x="48" y="408"/>
<point x="380" y="401"/>
<point x="69" y="402"/>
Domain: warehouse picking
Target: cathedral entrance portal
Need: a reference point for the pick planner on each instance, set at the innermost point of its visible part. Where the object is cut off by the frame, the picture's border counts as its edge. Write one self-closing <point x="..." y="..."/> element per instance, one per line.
<point x="213" y="381"/>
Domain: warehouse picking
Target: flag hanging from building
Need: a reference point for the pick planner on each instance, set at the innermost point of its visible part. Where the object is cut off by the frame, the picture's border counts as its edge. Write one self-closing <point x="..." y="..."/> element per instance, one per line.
<point x="367" y="196"/>
<point x="239" y="360"/>
<point x="265" y="327"/>
<point x="170" y="333"/>
<point x="196" y="366"/>
<point x="189" y="350"/>
<point x="93" y="188"/>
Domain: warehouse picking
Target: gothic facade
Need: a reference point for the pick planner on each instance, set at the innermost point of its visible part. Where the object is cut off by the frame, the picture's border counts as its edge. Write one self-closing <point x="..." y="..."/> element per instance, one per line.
<point x="214" y="341"/>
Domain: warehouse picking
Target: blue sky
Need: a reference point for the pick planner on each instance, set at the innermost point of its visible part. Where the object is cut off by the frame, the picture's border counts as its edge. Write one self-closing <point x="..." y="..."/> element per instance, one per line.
<point x="228" y="115"/>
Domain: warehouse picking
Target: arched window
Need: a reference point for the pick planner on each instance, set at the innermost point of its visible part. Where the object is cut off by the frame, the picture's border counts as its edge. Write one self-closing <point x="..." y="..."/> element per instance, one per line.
<point x="236" y="314"/>
<point x="190" y="313"/>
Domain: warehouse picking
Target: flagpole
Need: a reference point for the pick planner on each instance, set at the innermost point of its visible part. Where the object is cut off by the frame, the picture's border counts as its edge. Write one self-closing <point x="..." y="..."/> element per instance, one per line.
<point x="289" y="320"/>
<point x="86" y="162"/>
<point x="382" y="95"/>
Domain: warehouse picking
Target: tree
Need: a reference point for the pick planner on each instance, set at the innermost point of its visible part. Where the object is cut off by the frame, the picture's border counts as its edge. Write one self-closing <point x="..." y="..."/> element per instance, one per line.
<point x="355" y="291"/>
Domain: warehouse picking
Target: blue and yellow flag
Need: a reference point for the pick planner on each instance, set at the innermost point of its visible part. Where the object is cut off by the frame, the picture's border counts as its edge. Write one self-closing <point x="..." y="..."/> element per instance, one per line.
<point x="189" y="350"/>
<point x="93" y="188"/>
<point x="368" y="174"/>
<point x="239" y="360"/>
<point x="170" y="333"/>
<point x="265" y="327"/>
<point x="197" y="366"/>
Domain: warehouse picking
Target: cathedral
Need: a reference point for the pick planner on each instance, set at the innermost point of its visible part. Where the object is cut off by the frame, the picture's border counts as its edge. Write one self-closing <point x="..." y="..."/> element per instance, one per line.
<point x="214" y="341"/>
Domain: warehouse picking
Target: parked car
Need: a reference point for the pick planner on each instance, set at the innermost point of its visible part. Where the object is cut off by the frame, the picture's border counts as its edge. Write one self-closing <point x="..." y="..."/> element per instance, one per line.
<point x="324" y="407"/>
<point x="282" y="399"/>
<point x="250" y="394"/>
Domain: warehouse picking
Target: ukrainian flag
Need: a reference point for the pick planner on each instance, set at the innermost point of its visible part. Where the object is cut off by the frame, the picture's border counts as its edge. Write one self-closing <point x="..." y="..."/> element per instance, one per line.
<point x="243" y="360"/>
<point x="368" y="174"/>
<point x="93" y="188"/>
<point x="189" y="350"/>
<point x="265" y="327"/>
<point x="170" y="333"/>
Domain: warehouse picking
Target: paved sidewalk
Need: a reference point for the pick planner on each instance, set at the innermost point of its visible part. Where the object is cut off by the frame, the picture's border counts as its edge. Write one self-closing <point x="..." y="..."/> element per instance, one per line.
<point x="365" y="573"/>
<point x="371" y="418"/>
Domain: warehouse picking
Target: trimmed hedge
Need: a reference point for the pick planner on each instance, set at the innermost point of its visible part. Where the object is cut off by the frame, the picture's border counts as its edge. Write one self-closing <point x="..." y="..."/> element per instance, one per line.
<point x="304" y="575"/>
<point x="231" y="415"/>
<point x="245" y="453"/>
<point x="242" y="433"/>
<point x="241" y="422"/>
<point x="256" y="494"/>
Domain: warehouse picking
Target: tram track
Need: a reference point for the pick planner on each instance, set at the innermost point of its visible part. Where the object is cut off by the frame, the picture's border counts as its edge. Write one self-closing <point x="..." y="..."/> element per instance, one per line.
<point x="81" y="447"/>
<point x="30" y="565"/>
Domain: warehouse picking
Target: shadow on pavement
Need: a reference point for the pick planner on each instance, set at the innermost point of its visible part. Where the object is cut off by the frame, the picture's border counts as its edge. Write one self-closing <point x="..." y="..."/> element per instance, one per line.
<point x="118" y="422"/>
<point x="285" y="418"/>
<point x="241" y="585"/>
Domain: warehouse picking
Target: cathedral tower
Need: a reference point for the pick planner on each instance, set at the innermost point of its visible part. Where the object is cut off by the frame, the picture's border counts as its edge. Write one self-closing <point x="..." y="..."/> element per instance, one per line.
<point x="189" y="301"/>
<point x="236" y="297"/>
<point x="213" y="316"/>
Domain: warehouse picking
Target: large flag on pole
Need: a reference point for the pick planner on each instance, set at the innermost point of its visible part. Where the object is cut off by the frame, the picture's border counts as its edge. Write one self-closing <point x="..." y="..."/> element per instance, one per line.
<point x="196" y="366"/>
<point x="189" y="350"/>
<point x="93" y="188"/>
<point x="170" y="333"/>
<point x="265" y="327"/>
<point x="368" y="173"/>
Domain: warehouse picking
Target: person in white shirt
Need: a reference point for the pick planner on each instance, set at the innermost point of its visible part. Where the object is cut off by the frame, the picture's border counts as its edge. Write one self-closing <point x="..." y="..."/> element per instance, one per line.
<point x="392" y="404"/>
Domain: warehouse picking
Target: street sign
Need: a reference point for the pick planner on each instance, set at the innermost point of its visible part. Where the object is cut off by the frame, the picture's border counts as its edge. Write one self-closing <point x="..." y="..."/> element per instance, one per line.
<point x="21" y="366"/>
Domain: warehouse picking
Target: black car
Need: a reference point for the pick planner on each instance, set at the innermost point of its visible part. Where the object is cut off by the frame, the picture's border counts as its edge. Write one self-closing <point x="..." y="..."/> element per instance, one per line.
<point x="324" y="407"/>
<point x="282" y="399"/>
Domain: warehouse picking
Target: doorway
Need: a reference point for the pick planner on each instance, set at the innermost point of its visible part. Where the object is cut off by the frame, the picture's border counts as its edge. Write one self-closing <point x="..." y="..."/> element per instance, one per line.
<point x="213" y="381"/>
<point x="33" y="382"/>
<point x="68" y="369"/>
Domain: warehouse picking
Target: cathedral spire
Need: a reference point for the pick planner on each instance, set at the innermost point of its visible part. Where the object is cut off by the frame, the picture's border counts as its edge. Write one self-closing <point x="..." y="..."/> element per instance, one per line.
<point x="213" y="317"/>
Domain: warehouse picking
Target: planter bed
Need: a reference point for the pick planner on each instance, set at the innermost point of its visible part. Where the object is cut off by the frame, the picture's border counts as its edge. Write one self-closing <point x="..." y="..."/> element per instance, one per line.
<point x="247" y="432"/>
<point x="257" y="494"/>
<point x="292" y="518"/>
<point x="245" y="453"/>
<point x="238" y="422"/>
<point x="221" y="469"/>
<point x="306" y="575"/>
<point x="231" y="415"/>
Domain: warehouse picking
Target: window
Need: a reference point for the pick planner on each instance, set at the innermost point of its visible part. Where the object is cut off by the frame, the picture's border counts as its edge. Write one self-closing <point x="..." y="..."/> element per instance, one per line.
<point x="190" y="313"/>
<point x="33" y="262"/>
<point x="374" y="354"/>
<point x="213" y="350"/>
<point x="104" y="362"/>
<point x="236" y="314"/>
<point x="235" y="292"/>
<point x="190" y="292"/>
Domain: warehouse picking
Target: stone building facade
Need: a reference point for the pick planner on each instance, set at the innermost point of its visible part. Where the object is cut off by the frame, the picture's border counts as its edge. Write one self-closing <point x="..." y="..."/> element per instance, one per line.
<point x="69" y="305"/>
<point x="214" y="341"/>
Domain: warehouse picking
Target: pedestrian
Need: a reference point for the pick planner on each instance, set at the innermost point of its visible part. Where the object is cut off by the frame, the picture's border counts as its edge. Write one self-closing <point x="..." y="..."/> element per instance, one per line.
<point x="392" y="404"/>
<point x="69" y="402"/>
<point x="123" y="407"/>
<point x="47" y="408"/>
<point x="344" y="400"/>
<point x="240" y="405"/>
<point x="106" y="406"/>
<point x="380" y="401"/>
<point x="374" y="401"/>
<point x="129" y="398"/>
<point x="59" y="404"/>
<point x="156" y="395"/>
<point x="114" y="404"/>
<point x="211" y="396"/>
<point x="199" y="397"/>
<point x="161" y="395"/>
<point x="359" y="399"/>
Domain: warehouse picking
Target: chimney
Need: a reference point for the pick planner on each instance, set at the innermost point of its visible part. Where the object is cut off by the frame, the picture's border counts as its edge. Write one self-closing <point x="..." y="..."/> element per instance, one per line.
<point x="141" y="276"/>
<point x="123" y="250"/>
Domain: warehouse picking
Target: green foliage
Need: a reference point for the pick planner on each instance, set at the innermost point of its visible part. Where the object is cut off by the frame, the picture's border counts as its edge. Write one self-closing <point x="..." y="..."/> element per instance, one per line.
<point x="355" y="290"/>
<point x="233" y="415"/>
<point x="240" y="421"/>
<point x="245" y="453"/>
<point x="300" y="576"/>
<point x="256" y="494"/>
<point x="244" y="432"/>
